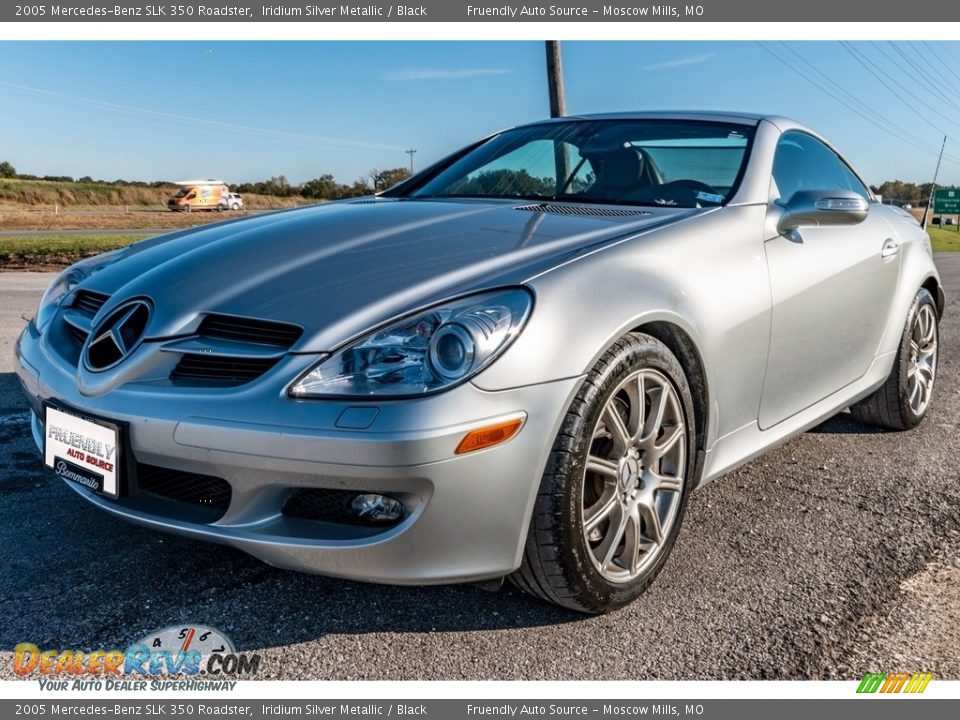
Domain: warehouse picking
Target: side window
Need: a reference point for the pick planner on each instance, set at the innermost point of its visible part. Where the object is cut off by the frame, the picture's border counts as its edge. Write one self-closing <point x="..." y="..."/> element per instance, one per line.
<point x="804" y="163"/>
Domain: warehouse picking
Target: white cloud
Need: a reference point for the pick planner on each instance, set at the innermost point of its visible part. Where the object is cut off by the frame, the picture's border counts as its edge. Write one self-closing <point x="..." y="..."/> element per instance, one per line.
<point x="405" y="74"/>
<point x="680" y="62"/>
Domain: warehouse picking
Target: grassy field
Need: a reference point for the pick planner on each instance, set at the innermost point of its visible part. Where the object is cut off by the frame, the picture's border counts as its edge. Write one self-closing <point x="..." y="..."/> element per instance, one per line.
<point x="945" y="239"/>
<point x="45" y="252"/>
<point x="107" y="220"/>
<point x="23" y="194"/>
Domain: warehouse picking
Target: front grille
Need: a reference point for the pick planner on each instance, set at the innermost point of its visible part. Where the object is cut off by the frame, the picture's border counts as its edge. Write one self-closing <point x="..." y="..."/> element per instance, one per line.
<point x="77" y="335"/>
<point x="261" y="332"/>
<point x="582" y="210"/>
<point x="89" y="302"/>
<point x="220" y="370"/>
<point x="204" y="491"/>
<point x="326" y="505"/>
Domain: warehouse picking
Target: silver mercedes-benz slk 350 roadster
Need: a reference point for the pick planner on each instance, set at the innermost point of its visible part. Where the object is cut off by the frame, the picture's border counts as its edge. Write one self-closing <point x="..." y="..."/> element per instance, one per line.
<point x="517" y="363"/>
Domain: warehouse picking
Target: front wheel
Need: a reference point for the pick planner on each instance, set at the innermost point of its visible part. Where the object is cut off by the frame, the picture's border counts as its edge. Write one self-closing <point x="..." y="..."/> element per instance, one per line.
<point x="614" y="492"/>
<point x="902" y="401"/>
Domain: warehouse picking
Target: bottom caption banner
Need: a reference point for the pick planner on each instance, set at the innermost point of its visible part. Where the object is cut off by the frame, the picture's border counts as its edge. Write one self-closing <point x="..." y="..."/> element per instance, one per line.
<point x="873" y="708"/>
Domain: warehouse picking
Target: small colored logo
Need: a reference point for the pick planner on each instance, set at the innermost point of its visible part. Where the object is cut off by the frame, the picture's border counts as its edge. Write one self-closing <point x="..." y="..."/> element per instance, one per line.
<point x="894" y="683"/>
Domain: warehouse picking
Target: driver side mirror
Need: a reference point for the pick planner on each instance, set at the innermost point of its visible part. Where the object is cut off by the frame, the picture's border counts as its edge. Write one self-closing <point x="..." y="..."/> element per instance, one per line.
<point x="821" y="208"/>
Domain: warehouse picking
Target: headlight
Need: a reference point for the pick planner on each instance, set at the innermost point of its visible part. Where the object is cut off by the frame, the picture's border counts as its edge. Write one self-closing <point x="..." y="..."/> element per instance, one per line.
<point x="423" y="353"/>
<point x="67" y="281"/>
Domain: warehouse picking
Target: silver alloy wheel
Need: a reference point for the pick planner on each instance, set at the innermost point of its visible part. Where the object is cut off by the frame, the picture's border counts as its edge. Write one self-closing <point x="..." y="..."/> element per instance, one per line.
<point x="634" y="476"/>
<point x="922" y="368"/>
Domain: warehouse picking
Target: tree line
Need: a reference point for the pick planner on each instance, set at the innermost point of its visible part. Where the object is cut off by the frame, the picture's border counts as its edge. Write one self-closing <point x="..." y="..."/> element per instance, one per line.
<point x="325" y="187"/>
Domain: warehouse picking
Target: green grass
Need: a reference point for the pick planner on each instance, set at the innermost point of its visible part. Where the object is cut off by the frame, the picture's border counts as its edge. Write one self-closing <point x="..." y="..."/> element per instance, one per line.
<point x="24" y="250"/>
<point x="944" y="239"/>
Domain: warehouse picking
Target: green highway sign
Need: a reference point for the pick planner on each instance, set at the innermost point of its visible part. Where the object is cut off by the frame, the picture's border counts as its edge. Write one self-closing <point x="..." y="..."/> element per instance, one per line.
<point x="946" y="201"/>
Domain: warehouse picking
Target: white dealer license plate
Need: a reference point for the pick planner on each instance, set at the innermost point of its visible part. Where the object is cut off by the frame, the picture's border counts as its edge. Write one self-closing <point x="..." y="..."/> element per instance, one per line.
<point x="83" y="451"/>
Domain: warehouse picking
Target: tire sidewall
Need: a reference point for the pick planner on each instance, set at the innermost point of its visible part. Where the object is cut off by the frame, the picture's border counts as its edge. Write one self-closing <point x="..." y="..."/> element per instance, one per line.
<point x="596" y="593"/>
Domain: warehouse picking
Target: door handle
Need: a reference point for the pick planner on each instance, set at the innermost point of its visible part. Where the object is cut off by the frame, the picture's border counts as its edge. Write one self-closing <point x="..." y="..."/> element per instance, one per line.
<point x="890" y="248"/>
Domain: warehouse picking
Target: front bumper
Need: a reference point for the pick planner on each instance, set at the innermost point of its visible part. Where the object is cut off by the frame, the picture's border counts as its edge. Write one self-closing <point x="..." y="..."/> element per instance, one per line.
<point x="467" y="515"/>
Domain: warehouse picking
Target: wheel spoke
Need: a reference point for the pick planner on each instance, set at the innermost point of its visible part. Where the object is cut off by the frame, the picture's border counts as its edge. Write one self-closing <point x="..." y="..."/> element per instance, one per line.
<point x="670" y="439"/>
<point x="602" y="466"/>
<point x="635" y="395"/>
<point x="658" y="406"/>
<point x="608" y="546"/>
<point x="600" y="510"/>
<point x="614" y="423"/>
<point x="914" y="391"/>
<point x="914" y="348"/>
<point x="668" y="483"/>
<point x="631" y="541"/>
<point x="651" y="522"/>
<point x="929" y="326"/>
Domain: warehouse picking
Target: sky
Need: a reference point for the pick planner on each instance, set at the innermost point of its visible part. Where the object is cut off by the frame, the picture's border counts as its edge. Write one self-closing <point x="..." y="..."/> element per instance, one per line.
<point x="246" y="111"/>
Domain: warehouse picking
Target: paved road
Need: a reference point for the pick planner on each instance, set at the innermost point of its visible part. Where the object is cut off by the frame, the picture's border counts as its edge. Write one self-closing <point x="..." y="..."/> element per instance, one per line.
<point x="777" y="568"/>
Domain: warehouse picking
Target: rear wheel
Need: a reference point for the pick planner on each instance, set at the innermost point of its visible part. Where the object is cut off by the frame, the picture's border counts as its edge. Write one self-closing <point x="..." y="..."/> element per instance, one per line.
<point x="614" y="492"/>
<point x="903" y="400"/>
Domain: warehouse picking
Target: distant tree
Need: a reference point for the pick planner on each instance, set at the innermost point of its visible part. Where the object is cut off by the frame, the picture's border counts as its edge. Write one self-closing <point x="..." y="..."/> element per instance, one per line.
<point x="383" y="179"/>
<point x="503" y="182"/>
<point x="360" y="187"/>
<point x="7" y="170"/>
<point x="58" y="178"/>
<point x="323" y="188"/>
<point x="85" y="179"/>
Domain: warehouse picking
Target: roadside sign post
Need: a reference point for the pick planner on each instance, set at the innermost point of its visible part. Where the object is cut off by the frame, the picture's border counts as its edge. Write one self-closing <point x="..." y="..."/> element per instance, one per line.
<point x="946" y="201"/>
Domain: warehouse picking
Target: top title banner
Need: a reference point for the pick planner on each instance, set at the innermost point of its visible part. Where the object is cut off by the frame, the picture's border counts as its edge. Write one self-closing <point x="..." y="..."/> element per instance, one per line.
<point x="478" y="11"/>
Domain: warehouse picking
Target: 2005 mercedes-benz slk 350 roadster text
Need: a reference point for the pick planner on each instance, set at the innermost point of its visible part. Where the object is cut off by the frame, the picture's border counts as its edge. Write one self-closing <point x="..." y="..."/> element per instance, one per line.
<point x="518" y="362"/>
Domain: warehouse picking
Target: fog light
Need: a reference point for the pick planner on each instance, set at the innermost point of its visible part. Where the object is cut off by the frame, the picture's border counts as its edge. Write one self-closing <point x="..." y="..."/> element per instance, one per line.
<point x="374" y="508"/>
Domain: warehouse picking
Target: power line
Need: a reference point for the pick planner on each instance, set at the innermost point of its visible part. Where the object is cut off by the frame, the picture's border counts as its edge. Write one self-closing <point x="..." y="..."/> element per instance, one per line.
<point x="904" y="134"/>
<point x="927" y="82"/>
<point x="903" y="137"/>
<point x="864" y="61"/>
<point x="945" y="63"/>
<point x="911" y="74"/>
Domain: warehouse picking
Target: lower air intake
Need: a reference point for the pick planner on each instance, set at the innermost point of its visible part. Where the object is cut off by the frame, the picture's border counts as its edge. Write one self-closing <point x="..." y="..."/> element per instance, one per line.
<point x="203" y="491"/>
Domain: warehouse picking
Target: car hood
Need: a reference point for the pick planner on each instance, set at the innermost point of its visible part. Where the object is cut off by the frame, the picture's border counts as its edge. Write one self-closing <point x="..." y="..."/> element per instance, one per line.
<point x="342" y="268"/>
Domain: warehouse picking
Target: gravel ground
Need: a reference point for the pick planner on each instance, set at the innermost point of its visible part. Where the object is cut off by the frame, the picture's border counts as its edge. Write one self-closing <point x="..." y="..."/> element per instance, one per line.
<point x="830" y="556"/>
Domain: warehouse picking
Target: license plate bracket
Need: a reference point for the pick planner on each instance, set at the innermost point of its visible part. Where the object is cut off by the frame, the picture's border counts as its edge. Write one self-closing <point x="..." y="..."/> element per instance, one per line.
<point x="86" y="450"/>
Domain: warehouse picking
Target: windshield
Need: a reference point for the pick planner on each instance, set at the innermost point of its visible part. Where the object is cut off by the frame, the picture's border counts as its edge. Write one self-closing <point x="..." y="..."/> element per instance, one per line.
<point x="635" y="162"/>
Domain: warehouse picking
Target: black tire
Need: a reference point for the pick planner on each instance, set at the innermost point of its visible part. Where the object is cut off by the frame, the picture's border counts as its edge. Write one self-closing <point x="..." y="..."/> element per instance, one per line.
<point x="889" y="407"/>
<point x="557" y="565"/>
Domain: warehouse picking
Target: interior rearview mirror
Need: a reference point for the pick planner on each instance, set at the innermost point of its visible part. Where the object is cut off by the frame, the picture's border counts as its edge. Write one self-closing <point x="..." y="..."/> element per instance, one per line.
<point x="821" y="208"/>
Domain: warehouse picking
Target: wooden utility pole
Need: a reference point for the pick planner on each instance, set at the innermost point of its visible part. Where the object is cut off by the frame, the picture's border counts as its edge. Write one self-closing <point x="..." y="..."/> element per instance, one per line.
<point x="558" y="108"/>
<point x="558" y="103"/>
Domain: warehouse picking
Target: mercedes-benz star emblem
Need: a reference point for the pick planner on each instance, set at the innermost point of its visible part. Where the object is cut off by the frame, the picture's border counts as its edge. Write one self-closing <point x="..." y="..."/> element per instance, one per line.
<point x="117" y="336"/>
